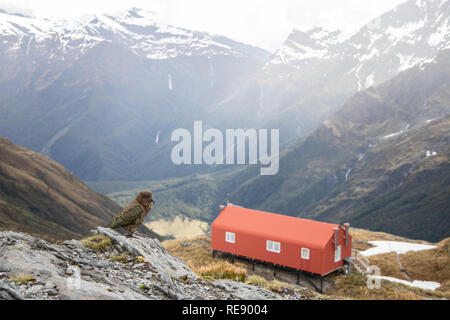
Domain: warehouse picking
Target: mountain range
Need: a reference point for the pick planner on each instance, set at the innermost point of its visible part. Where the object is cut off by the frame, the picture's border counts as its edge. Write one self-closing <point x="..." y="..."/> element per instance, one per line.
<point x="363" y="115"/>
<point x="102" y="94"/>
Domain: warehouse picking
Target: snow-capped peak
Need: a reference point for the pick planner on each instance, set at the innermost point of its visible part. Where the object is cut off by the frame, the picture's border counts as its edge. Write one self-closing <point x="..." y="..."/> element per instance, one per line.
<point x="139" y="29"/>
<point x="305" y="45"/>
<point x="409" y="35"/>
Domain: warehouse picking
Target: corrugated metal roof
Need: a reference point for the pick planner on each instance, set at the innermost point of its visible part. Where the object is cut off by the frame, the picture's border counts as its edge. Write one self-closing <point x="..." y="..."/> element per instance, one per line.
<point x="276" y="227"/>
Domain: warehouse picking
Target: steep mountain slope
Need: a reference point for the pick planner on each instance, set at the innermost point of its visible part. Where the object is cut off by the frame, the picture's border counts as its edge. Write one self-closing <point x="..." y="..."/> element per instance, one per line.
<point x="381" y="162"/>
<point x="39" y="196"/>
<point x="317" y="70"/>
<point x="370" y="160"/>
<point x="102" y="96"/>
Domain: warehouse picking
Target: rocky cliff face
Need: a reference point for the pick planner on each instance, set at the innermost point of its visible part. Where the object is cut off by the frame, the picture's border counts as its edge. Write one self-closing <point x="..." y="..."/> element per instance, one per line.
<point x="31" y="268"/>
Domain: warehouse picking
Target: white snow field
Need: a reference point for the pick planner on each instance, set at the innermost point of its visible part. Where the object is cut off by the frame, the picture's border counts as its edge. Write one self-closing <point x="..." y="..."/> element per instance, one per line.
<point x="426" y="285"/>
<point x="394" y="246"/>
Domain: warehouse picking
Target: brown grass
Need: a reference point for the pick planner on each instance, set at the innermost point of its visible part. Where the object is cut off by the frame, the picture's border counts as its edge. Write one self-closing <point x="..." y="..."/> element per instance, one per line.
<point x="429" y="265"/>
<point x="426" y="265"/>
<point x="361" y="245"/>
<point x="387" y="262"/>
<point x="366" y="235"/>
<point x="197" y="250"/>
<point x="354" y="286"/>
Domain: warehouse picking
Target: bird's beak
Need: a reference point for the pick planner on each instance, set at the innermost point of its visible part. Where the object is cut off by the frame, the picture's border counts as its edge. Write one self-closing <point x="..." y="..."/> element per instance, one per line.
<point x="153" y="201"/>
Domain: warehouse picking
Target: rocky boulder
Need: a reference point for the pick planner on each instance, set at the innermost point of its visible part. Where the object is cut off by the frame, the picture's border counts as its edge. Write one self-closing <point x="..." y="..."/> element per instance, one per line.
<point x="127" y="268"/>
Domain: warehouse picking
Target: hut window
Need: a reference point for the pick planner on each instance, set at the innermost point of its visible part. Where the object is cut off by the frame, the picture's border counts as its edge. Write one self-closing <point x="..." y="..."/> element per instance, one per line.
<point x="229" y="237"/>
<point x="337" y="254"/>
<point x="305" y="253"/>
<point x="273" y="246"/>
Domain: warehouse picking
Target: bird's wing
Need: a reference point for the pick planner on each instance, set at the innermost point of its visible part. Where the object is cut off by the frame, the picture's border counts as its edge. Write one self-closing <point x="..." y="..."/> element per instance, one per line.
<point x="128" y="216"/>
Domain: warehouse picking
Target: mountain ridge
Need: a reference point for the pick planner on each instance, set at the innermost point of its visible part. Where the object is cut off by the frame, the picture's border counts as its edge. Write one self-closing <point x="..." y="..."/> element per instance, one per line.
<point x="39" y="196"/>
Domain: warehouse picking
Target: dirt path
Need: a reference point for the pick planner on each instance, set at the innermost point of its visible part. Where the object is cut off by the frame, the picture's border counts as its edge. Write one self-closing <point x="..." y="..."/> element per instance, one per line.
<point x="402" y="270"/>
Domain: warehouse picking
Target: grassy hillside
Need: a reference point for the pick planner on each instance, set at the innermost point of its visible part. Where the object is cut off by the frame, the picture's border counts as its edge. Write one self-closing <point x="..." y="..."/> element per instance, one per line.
<point x="40" y="197"/>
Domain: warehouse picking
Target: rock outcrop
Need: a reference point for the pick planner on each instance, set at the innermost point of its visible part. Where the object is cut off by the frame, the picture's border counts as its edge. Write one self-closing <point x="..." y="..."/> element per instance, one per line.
<point x="31" y="268"/>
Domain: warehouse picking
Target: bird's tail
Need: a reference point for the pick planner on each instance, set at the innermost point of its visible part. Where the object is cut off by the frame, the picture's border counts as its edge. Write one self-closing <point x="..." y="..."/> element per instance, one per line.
<point x="111" y="225"/>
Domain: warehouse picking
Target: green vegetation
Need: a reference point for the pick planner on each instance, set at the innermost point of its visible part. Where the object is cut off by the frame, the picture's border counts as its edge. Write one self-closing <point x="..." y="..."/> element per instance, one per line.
<point x="22" y="279"/>
<point x="97" y="242"/>
<point x="143" y="287"/>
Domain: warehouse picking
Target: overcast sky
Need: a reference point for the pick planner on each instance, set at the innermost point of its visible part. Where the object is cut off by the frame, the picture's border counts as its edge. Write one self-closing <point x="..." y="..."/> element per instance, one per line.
<point x="265" y="23"/>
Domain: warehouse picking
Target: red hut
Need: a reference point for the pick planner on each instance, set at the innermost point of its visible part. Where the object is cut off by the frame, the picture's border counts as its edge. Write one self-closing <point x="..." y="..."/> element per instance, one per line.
<point x="301" y="244"/>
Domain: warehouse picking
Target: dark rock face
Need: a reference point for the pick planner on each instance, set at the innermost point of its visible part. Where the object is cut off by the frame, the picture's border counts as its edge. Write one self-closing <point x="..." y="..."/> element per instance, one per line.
<point x="72" y="271"/>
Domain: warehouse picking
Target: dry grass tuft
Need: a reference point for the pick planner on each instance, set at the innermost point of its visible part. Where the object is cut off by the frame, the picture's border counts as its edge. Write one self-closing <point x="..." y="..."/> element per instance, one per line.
<point x="278" y="286"/>
<point x="96" y="242"/>
<point x="256" y="281"/>
<point x="22" y="279"/>
<point x="274" y="285"/>
<point x="220" y="270"/>
<point x="121" y="258"/>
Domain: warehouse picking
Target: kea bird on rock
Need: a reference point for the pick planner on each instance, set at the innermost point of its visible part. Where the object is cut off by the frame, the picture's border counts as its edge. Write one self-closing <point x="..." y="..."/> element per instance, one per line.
<point x="132" y="216"/>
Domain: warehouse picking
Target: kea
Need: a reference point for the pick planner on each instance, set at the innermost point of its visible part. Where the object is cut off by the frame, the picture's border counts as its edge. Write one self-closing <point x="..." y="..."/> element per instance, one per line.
<point x="132" y="216"/>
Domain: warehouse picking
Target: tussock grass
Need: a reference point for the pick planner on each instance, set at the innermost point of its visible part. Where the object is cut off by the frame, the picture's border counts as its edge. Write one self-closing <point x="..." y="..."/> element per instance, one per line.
<point x="354" y="286"/>
<point x="387" y="262"/>
<point x="96" y="242"/>
<point x="196" y="250"/>
<point x="22" y="279"/>
<point x="274" y="285"/>
<point x="221" y="270"/>
<point x="257" y="281"/>
<point x="429" y="265"/>
<point x="120" y="258"/>
<point x="278" y="286"/>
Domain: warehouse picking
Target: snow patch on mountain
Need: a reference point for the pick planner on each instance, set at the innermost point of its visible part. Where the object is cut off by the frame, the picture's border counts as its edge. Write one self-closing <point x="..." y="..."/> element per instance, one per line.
<point x="411" y="34"/>
<point x="137" y="29"/>
<point x="395" y="246"/>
